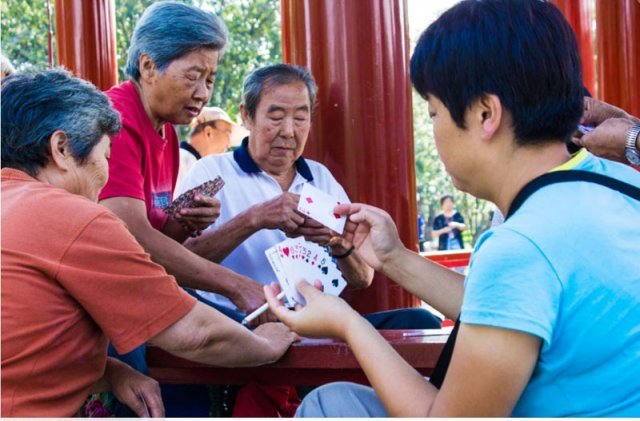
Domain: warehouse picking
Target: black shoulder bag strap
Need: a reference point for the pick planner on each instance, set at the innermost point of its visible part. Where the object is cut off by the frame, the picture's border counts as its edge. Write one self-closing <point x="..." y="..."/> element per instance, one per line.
<point x="440" y="370"/>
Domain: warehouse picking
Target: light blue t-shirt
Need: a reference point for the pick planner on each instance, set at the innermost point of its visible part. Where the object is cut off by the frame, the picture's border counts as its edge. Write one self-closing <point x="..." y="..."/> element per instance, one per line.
<point x="566" y="268"/>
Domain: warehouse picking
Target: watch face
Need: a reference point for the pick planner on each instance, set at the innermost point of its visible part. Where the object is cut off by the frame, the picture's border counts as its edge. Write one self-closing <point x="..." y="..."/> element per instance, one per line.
<point x="632" y="156"/>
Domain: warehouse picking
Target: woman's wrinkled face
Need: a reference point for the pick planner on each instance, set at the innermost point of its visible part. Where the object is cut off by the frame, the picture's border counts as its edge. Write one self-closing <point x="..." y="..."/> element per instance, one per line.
<point x="90" y="177"/>
<point x="184" y="87"/>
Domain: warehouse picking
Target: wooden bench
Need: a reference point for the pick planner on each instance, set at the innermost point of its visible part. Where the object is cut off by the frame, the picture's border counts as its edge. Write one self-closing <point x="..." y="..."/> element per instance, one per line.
<point x="310" y="362"/>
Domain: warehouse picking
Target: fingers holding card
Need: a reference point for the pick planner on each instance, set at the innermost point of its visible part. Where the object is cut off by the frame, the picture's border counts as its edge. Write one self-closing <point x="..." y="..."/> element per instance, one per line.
<point x="318" y="205"/>
<point x="188" y="198"/>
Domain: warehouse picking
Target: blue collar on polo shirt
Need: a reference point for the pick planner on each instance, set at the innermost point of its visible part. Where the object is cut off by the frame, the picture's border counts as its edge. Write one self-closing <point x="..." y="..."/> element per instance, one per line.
<point x="244" y="160"/>
<point x="187" y="147"/>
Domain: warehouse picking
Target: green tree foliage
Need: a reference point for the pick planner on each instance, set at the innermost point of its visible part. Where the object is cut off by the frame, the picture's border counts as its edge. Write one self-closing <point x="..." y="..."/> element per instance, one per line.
<point x="254" y="41"/>
<point x="254" y="38"/>
<point x="25" y="26"/>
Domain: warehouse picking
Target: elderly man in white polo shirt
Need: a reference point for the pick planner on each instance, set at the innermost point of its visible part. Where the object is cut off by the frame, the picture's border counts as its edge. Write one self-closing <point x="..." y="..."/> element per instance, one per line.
<point x="263" y="179"/>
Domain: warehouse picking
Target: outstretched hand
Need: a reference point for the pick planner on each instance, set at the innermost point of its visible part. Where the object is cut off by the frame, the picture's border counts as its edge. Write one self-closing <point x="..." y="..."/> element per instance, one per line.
<point x="324" y="316"/>
<point x="372" y="231"/>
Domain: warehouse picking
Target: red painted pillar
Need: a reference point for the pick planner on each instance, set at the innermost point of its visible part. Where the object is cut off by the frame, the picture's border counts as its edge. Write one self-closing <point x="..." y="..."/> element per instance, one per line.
<point x="358" y="52"/>
<point x="618" y="44"/>
<point x="86" y="40"/>
<point x="579" y="15"/>
<point x="631" y="57"/>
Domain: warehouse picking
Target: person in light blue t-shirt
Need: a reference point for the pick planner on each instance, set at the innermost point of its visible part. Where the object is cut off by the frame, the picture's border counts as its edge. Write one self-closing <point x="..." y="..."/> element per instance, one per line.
<point x="550" y="307"/>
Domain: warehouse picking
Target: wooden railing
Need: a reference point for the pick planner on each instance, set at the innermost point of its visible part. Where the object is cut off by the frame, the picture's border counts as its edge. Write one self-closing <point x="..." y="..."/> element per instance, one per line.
<point x="309" y="362"/>
<point x="449" y="258"/>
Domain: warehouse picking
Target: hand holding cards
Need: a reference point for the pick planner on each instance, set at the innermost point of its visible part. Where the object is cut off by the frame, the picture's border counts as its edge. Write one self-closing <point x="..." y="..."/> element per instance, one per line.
<point x="187" y="199"/>
<point x="295" y="259"/>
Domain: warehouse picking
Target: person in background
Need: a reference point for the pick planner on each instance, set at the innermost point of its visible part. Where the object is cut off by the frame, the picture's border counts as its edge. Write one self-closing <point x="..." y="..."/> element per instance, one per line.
<point x="212" y="132"/>
<point x="421" y="235"/>
<point x="615" y="133"/>
<point x="448" y="226"/>
<point x="73" y="275"/>
<point x="547" y="322"/>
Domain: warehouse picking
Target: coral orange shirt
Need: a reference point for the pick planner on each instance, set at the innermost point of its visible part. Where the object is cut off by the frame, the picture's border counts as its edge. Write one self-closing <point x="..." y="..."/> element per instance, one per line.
<point x="71" y="273"/>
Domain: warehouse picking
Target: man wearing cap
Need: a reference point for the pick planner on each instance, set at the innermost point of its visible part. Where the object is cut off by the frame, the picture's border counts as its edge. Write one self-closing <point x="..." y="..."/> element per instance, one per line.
<point x="264" y="177"/>
<point x="212" y="132"/>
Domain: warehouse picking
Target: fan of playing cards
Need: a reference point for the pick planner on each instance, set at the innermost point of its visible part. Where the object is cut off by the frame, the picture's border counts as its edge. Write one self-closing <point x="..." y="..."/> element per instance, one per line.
<point x="295" y="259"/>
<point x="186" y="199"/>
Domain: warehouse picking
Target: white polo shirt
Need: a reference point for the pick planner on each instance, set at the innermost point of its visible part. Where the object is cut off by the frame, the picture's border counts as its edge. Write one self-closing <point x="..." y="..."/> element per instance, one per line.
<point x="247" y="185"/>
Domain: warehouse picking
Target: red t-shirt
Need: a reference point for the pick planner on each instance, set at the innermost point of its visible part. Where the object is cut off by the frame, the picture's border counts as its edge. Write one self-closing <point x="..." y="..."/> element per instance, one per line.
<point x="143" y="164"/>
<point x="71" y="273"/>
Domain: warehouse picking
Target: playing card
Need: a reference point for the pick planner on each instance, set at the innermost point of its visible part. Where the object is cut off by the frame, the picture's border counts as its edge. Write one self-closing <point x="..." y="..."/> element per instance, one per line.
<point x="319" y="205"/>
<point x="276" y="264"/>
<point x="186" y="199"/>
<point x="295" y="259"/>
<point x="319" y="265"/>
<point x="288" y="252"/>
<point x="585" y="129"/>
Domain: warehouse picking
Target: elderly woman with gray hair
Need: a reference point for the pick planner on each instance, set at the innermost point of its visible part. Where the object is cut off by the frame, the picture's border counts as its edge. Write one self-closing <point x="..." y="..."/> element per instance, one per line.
<point x="172" y="63"/>
<point x="72" y="275"/>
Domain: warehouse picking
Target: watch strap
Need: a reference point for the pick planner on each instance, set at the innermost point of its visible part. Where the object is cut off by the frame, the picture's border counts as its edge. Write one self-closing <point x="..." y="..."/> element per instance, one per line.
<point x="631" y="151"/>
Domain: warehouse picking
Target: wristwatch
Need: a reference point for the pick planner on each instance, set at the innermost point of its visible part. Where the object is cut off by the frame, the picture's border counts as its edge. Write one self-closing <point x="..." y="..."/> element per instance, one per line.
<point x="631" y="151"/>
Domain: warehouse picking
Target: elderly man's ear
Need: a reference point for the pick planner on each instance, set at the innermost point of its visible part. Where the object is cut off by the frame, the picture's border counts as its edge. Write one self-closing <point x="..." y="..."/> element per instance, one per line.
<point x="60" y="150"/>
<point x="247" y="122"/>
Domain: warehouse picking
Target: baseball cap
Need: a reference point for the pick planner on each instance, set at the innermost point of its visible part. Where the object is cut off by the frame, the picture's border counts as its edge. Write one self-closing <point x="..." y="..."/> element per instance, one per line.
<point x="216" y="113"/>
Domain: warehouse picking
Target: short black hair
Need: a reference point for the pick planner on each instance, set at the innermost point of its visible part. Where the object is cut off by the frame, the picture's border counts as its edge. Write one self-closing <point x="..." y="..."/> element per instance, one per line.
<point x="36" y="104"/>
<point x="445" y="197"/>
<point x="523" y="51"/>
